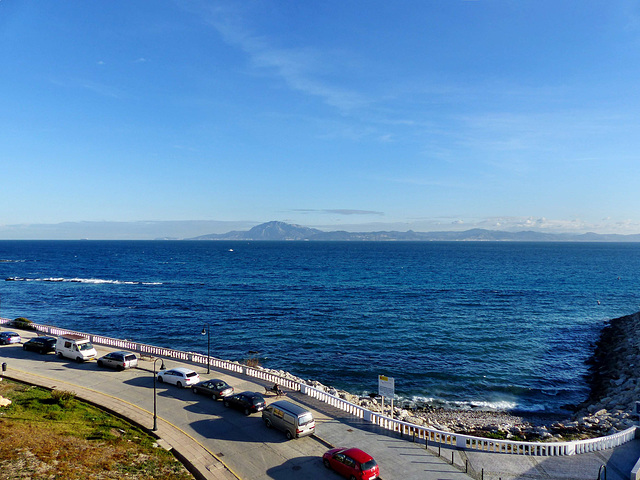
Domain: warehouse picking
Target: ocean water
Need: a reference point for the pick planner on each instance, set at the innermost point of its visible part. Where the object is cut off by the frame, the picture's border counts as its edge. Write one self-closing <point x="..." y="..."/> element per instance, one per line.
<point x="458" y="324"/>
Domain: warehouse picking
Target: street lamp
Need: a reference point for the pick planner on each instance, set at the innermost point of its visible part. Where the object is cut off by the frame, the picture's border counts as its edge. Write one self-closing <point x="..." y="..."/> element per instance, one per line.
<point x="207" y="331"/>
<point x="155" y="412"/>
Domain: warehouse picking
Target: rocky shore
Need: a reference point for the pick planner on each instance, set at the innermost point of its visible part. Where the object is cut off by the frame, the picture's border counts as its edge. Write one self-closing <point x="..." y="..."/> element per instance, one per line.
<point x="614" y="370"/>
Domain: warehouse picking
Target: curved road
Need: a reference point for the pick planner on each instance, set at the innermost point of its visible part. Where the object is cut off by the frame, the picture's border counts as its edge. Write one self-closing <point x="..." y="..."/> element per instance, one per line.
<point x="243" y="443"/>
<point x="223" y="444"/>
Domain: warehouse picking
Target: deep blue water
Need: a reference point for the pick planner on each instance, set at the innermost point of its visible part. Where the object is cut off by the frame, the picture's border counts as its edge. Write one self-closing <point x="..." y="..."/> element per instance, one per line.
<point x="500" y="324"/>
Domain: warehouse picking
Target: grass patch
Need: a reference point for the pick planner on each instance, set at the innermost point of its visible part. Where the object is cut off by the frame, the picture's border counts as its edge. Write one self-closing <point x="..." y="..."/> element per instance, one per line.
<point x="47" y="435"/>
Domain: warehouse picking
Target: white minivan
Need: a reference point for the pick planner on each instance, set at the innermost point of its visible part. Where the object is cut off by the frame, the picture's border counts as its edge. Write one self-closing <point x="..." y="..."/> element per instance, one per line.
<point x="75" y="347"/>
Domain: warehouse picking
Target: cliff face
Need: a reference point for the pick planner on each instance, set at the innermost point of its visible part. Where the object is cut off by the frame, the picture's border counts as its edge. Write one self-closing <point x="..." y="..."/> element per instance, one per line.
<point x="614" y="375"/>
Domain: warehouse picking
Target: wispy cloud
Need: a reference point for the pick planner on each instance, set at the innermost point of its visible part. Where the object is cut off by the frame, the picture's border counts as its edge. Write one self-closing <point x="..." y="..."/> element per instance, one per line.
<point x="339" y="211"/>
<point x="503" y="223"/>
<point x="302" y="68"/>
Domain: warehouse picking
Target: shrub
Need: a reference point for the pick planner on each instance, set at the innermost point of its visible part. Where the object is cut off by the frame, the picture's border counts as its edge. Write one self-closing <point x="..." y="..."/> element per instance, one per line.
<point x="252" y="362"/>
<point x="63" y="397"/>
<point x="23" y="323"/>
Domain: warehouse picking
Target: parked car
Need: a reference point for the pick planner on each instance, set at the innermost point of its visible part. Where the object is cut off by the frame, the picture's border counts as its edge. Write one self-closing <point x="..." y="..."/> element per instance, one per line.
<point x="215" y="388"/>
<point x="295" y="421"/>
<point x="351" y="463"/>
<point x="118" y="360"/>
<point x="247" y="402"/>
<point x="181" y="377"/>
<point x="40" y="344"/>
<point x="7" y="338"/>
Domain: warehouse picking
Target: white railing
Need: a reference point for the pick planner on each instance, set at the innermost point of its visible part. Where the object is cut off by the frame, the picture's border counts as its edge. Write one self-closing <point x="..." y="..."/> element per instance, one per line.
<point x="416" y="432"/>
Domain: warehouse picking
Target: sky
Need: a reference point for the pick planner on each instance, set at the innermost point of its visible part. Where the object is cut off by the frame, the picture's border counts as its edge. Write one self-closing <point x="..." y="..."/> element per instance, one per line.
<point x="427" y="115"/>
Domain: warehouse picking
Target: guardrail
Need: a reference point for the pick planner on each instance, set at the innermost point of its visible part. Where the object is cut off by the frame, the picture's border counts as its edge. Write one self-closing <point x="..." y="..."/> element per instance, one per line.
<point x="416" y="432"/>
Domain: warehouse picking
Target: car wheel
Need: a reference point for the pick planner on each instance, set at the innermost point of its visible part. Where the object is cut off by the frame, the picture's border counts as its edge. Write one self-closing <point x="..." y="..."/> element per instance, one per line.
<point x="246" y="411"/>
<point x="59" y="354"/>
<point x="326" y="463"/>
<point x="24" y="347"/>
<point x="179" y="384"/>
<point x="227" y="404"/>
<point x="100" y="364"/>
<point x="194" y="390"/>
<point x="78" y="360"/>
<point x="160" y="379"/>
<point x="268" y="423"/>
<point x="353" y="477"/>
<point x="289" y="435"/>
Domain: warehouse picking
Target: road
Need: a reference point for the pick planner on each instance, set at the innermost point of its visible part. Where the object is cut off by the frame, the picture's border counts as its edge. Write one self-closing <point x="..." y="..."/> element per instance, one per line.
<point x="249" y="449"/>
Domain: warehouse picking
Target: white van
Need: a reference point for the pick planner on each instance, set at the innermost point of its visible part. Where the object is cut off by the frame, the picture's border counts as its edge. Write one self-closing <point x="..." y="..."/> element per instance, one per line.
<point x="292" y="419"/>
<point x="75" y="347"/>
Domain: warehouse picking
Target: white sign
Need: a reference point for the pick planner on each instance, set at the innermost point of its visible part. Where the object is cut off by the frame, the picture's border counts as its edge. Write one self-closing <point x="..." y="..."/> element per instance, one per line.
<point x="386" y="386"/>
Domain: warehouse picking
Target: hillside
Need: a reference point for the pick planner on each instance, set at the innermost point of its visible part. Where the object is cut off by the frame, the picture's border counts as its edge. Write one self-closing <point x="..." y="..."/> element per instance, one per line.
<point x="281" y="231"/>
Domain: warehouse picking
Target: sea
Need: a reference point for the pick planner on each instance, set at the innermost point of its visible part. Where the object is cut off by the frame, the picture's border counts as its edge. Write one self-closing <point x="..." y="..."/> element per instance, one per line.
<point x="486" y="325"/>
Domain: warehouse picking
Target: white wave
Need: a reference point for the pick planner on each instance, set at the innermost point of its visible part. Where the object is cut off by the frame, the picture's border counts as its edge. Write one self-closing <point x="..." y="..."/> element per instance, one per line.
<point x="498" y="406"/>
<point x="96" y="281"/>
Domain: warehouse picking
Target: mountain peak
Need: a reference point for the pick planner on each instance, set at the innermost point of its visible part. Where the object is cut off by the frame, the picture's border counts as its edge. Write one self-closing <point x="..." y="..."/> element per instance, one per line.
<point x="280" y="231"/>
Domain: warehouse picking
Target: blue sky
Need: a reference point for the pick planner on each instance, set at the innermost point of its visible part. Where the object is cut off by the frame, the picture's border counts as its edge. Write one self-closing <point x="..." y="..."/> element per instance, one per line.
<point x="424" y="115"/>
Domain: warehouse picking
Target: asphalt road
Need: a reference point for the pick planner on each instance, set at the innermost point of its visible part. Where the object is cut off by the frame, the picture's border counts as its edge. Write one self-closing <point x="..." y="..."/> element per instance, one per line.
<point x="254" y="452"/>
<point x="251" y="450"/>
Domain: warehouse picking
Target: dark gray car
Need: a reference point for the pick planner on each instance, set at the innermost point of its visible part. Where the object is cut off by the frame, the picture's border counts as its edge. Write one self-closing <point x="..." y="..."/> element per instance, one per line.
<point x="118" y="360"/>
<point x="40" y="344"/>
<point x="215" y="388"/>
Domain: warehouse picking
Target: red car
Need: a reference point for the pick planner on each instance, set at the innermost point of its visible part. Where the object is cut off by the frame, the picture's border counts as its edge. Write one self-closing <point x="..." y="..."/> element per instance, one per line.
<point x="351" y="463"/>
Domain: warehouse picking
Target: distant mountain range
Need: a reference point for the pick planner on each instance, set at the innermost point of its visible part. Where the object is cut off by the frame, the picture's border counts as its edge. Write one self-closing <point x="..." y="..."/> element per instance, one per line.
<point x="281" y="231"/>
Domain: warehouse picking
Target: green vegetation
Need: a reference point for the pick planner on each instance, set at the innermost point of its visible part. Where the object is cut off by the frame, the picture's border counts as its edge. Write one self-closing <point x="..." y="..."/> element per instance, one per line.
<point x="47" y="434"/>
<point x="23" y="323"/>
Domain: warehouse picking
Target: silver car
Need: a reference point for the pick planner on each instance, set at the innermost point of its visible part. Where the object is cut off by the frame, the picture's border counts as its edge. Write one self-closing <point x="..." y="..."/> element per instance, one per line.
<point x="7" y="338"/>
<point x="118" y="360"/>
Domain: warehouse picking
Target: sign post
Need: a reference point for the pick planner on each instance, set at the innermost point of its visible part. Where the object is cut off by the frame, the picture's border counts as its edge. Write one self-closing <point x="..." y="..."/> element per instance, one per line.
<point x="386" y="388"/>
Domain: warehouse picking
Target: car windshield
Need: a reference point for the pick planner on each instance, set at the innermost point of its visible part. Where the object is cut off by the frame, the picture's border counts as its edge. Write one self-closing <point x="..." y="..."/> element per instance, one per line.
<point x="85" y="346"/>
<point x="256" y="401"/>
<point x="369" y="465"/>
<point x="305" y="418"/>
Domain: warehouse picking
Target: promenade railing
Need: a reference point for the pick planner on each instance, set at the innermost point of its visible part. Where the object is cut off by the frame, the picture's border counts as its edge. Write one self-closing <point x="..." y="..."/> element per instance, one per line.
<point x="410" y="430"/>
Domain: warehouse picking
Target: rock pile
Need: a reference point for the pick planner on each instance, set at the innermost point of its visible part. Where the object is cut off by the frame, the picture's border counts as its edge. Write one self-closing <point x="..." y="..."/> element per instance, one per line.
<point x="614" y="379"/>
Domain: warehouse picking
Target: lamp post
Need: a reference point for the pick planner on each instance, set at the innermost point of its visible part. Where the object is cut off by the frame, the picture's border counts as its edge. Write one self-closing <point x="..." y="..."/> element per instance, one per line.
<point x="155" y="377"/>
<point x="207" y="331"/>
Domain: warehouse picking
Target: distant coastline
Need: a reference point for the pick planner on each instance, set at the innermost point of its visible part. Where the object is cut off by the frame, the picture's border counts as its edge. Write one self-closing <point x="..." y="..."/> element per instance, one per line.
<point x="281" y="231"/>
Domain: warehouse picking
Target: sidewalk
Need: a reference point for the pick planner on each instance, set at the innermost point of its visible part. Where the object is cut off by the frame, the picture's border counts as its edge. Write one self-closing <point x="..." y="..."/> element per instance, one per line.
<point x="196" y="428"/>
<point x="202" y="463"/>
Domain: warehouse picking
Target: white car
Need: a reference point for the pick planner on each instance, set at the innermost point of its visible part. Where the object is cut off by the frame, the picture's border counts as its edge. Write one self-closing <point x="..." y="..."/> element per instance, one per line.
<point x="181" y="377"/>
